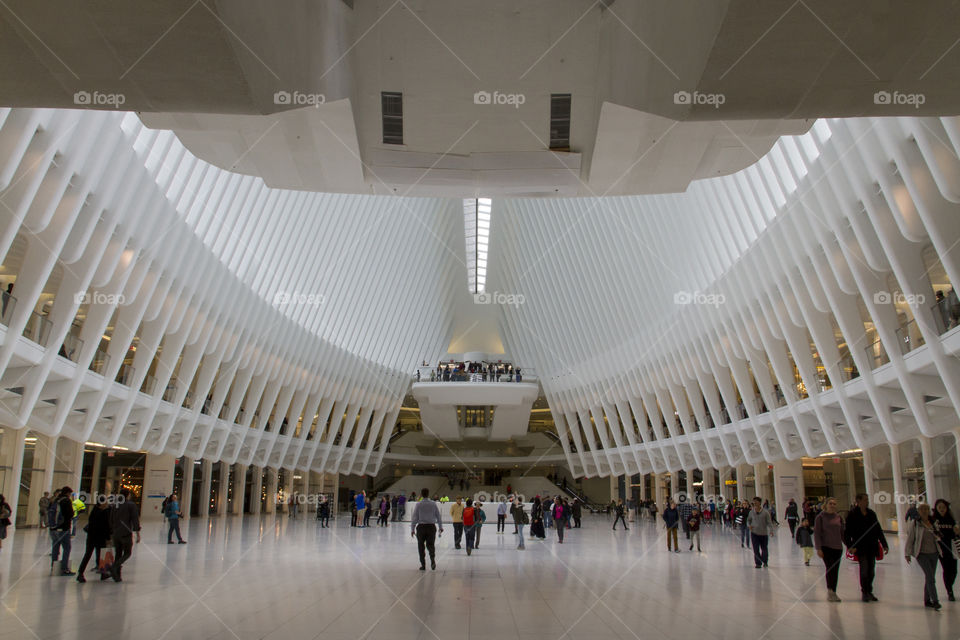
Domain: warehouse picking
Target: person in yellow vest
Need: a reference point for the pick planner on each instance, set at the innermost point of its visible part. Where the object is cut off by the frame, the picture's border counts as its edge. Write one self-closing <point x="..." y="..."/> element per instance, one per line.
<point x="78" y="507"/>
<point x="456" y="514"/>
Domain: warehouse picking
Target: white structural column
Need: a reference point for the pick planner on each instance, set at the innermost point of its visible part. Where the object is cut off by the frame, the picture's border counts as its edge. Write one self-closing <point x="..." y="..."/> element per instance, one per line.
<point x="206" y="471"/>
<point x="256" y="489"/>
<point x="76" y="463"/>
<point x="306" y="501"/>
<point x="45" y="449"/>
<point x="186" y="489"/>
<point x="741" y="484"/>
<point x="658" y="490"/>
<point x="97" y="469"/>
<point x="898" y="493"/>
<point x="690" y="490"/>
<point x="929" y="474"/>
<point x="272" y="478"/>
<point x="11" y="486"/>
<point x="239" y="488"/>
<point x="868" y="475"/>
<point x="223" y="488"/>
<point x="849" y="471"/>
<point x="787" y="483"/>
<point x="709" y="484"/>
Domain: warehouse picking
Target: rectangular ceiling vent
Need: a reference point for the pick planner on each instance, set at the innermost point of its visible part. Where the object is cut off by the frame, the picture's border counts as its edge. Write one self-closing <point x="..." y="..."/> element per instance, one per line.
<point x="391" y="105"/>
<point x="560" y="121"/>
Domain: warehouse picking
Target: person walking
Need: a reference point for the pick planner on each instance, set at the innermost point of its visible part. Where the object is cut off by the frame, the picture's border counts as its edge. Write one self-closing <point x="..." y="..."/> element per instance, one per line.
<point x="547" y="512"/>
<point x="828" y="532"/>
<point x="60" y="531"/>
<point x="423" y="526"/>
<point x="323" y="512"/>
<point x="671" y="519"/>
<point x="124" y="526"/>
<point x="520" y="518"/>
<point x="577" y="512"/>
<point x="98" y="537"/>
<point x="456" y="514"/>
<point x="923" y="543"/>
<point x="619" y="510"/>
<point x="173" y="515"/>
<point x="383" y="512"/>
<point x="469" y="517"/>
<point x="864" y="539"/>
<point x="558" y="513"/>
<point x="685" y="509"/>
<point x="947" y="528"/>
<point x="743" y="514"/>
<point x="792" y="516"/>
<point x="502" y="515"/>
<point x="761" y="527"/>
<point x="694" y="527"/>
<point x="481" y="517"/>
<point x="804" y="540"/>
<point x="401" y="506"/>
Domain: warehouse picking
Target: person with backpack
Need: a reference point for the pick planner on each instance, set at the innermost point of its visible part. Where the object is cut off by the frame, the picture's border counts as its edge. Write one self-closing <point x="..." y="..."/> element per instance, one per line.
<point x="864" y="538"/>
<point x="98" y="537"/>
<point x="480" y="516"/>
<point x="792" y="516"/>
<point x="173" y="515"/>
<point x="469" y="517"/>
<point x="60" y="520"/>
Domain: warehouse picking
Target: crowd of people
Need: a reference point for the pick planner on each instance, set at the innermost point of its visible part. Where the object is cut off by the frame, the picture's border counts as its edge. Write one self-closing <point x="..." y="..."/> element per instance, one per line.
<point x="468" y="518"/>
<point x="475" y="372"/>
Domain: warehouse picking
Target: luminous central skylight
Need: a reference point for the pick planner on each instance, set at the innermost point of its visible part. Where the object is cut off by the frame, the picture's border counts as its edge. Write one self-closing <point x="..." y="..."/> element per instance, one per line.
<point x="476" y="227"/>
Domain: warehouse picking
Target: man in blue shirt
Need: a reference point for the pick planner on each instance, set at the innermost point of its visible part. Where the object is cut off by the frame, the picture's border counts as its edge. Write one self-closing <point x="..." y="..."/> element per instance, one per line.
<point x="361" y="502"/>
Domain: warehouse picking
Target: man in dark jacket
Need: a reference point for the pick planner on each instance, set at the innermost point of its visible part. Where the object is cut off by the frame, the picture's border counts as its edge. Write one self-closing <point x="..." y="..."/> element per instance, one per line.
<point x="864" y="537"/>
<point x="60" y="532"/>
<point x="577" y="513"/>
<point x="124" y="523"/>
<point x="671" y="517"/>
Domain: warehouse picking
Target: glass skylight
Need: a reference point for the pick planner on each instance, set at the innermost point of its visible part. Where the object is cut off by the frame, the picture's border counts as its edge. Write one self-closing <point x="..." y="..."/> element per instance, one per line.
<point x="476" y="228"/>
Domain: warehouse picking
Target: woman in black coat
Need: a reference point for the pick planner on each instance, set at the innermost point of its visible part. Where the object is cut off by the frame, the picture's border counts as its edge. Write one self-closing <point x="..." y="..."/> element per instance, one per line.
<point x="98" y="537"/>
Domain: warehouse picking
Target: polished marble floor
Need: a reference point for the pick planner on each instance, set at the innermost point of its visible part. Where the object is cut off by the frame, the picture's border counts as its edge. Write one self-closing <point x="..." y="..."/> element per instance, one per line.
<point x="273" y="577"/>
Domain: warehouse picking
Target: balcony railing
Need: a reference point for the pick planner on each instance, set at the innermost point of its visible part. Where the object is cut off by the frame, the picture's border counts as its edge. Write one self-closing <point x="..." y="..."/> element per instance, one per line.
<point x="100" y="362"/>
<point x="38" y="328"/>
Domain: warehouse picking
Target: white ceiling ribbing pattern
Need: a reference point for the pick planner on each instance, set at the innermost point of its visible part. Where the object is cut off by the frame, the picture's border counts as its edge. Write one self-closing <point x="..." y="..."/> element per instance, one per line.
<point x="265" y="306"/>
<point x="663" y="327"/>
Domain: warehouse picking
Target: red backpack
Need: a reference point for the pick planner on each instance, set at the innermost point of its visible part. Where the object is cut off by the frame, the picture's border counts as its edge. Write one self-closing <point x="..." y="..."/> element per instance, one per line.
<point x="468" y="517"/>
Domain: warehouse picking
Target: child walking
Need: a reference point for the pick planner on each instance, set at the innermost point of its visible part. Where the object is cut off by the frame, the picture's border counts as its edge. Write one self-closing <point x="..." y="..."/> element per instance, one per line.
<point x="694" y="527"/>
<point x="805" y="540"/>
